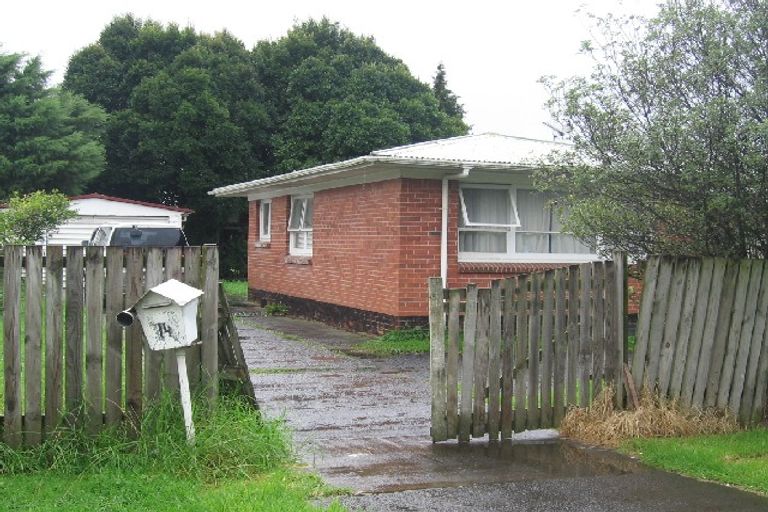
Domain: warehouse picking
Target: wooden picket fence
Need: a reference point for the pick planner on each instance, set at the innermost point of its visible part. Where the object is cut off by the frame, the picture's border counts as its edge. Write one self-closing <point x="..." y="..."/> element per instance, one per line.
<point x="701" y="334"/>
<point x="515" y="356"/>
<point x="67" y="359"/>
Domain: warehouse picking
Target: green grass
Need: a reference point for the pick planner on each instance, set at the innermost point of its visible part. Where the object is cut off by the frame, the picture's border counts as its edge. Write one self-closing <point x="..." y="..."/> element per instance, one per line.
<point x="739" y="459"/>
<point x="236" y="290"/>
<point x="275" y="491"/>
<point x="413" y="340"/>
<point x="239" y="461"/>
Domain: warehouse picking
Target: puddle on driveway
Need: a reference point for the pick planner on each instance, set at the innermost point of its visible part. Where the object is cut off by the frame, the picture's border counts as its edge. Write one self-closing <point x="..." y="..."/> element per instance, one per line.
<point x="396" y="464"/>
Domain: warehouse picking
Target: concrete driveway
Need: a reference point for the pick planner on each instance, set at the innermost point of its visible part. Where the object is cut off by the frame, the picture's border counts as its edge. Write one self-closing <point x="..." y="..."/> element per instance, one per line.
<point x="363" y="424"/>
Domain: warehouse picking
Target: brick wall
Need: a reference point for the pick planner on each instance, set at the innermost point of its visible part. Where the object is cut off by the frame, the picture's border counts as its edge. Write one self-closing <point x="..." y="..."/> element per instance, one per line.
<point x="375" y="245"/>
<point x="355" y="258"/>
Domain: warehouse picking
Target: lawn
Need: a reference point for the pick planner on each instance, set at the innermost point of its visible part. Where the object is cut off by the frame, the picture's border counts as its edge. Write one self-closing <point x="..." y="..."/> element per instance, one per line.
<point x="414" y="340"/>
<point x="739" y="459"/>
<point x="239" y="461"/>
<point x="236" y="290"/>
<point x="113" y="490"/>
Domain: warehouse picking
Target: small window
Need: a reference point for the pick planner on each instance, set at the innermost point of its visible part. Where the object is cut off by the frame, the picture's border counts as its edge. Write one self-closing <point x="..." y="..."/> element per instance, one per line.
<point x="265" y="220"/>
<point x="300" y="226"/>
<point x="488" y="214"/>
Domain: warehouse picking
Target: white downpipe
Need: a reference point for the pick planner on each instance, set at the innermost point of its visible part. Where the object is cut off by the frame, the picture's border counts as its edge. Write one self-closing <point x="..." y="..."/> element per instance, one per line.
<point x="444" y="224"/>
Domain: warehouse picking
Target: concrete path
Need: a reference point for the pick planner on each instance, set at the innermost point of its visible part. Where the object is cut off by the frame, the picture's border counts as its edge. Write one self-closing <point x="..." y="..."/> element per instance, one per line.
<point x="363" y="424"/>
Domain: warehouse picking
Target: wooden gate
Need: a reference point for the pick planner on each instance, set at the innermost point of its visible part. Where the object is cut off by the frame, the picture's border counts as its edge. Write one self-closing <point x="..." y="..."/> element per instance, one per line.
<point x="514" y="356"/>
<point x="65" y="356"/>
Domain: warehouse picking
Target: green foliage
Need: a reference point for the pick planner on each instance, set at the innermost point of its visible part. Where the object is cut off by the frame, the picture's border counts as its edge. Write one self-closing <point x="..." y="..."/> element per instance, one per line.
<point x="735" y="459"/>
<point x="448" y="101"/>
<point x="276" y="309"/>
<point x="30" y="217"/>
<point x="191" y="112"/>
<point x="187" y="115"/>
<point x="670" y="133"/>
<point x="334" y="95"/>
<point x="49" y="138"/>
<point x="412" y="340"/>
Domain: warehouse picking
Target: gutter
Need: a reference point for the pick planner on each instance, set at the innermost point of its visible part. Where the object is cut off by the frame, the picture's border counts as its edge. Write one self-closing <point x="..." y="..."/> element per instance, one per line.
<point x="444" y="224"/>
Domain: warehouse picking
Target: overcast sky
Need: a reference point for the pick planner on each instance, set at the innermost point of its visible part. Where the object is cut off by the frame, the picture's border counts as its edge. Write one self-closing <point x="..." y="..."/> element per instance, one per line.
<point x="494" y="52"/>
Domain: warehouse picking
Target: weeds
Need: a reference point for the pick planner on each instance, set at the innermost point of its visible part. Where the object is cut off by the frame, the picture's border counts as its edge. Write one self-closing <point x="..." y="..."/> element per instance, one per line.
<point x="233" y="441"/>
<point x="276" y="309"/>
<point x="602" y="424"/>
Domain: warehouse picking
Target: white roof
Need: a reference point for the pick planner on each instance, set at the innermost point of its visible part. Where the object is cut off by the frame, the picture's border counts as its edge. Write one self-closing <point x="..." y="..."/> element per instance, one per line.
<point x="490" y="150"/>
<point x="177" y="291"/>
<point x="485" y="148"/>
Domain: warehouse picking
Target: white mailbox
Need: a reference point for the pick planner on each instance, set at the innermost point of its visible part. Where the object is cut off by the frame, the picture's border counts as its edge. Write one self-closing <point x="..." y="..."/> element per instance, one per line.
<point x="167" y="314"/>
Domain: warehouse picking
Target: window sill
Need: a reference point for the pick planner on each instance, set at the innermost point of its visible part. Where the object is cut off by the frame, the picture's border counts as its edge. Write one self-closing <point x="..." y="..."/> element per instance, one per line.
<point x="501" y="259"/>
<point x="262" y="244"/>
<point x="506" y="268"/>
<point x="298" y="260"/>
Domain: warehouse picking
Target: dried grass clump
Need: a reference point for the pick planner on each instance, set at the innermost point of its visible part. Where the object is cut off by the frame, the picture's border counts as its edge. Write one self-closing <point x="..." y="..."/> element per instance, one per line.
<point x="602" y="424"/>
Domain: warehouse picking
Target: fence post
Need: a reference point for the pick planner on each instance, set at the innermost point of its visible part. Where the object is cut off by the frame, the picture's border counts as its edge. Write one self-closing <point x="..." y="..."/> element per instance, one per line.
<point x="210" y="323"/>
<point x="621" y="296"/>
<point x="437" y="377"/>
<point x="12" y="346"/>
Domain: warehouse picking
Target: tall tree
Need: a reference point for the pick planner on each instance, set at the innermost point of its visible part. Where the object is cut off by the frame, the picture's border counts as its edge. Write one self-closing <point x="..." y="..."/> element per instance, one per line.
<point x="186" y="116"/>
<point x="334" y="95"/>
<point x="190" y="112"/>
<point x="446" y="99"/>
<point x="49" y="138"/>
<point x="670" y="132"/>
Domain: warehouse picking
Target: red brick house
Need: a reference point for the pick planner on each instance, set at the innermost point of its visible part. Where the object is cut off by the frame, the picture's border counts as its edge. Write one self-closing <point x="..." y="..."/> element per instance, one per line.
<point x="354" y="242"/>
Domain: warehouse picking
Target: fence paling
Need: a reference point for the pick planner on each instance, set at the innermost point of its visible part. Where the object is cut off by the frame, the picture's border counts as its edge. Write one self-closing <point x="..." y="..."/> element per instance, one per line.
<point x="523" y="337"/>
<point x="712" y="313"/>
<point x="79" y="342"/>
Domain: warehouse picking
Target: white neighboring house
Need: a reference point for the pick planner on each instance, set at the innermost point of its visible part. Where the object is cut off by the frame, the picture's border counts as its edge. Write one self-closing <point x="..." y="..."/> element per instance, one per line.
<point x="95" y="210"/>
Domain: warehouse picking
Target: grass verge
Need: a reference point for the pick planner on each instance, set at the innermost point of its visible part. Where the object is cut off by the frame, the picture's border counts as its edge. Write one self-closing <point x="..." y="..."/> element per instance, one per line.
<point x="236" y="290"/>
<point x="739" y="459"/>
<point x="239" y="461"/>
<point x="413" y="340"/>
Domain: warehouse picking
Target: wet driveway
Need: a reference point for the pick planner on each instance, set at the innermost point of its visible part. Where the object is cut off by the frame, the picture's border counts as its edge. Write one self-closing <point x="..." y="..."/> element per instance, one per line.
<point x="363" y="424"/>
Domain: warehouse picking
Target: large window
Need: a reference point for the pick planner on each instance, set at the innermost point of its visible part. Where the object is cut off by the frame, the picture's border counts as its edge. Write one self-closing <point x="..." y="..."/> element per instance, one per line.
<point x="265" y="219"/>
<point x="508" y="224"/>
<point x="300" y="226"/>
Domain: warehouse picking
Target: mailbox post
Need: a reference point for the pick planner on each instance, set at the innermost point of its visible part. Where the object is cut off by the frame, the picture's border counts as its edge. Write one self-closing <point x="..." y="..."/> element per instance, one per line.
<point x="168" y="317"/>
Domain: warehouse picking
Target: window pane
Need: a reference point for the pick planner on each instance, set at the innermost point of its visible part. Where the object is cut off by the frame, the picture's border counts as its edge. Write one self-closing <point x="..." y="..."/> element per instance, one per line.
<point x="482" y="241"/>
<point x="297" y="240"/>
<point x="296" y="211"/>
<point x="569" y="244"/>
<point x="308" y="240"/>
<point x="531" y="242"/>
<point x="534" y="215"/>
<point x="487" y="206"/>
<point x="265" y="217"/>
<point x="308" y="213"/>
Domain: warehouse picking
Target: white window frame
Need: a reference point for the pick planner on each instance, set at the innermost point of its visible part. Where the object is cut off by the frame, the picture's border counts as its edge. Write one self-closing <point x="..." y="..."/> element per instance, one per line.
<point x="265" y="236"/>
<point x="292" y="249"/>
<point x="511" y="256"/>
